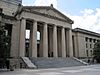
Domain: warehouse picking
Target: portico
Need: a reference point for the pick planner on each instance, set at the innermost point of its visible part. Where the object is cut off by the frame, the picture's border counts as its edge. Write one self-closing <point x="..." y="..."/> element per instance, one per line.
<point x="55" y="39"/>
<point x="54" y="29"/>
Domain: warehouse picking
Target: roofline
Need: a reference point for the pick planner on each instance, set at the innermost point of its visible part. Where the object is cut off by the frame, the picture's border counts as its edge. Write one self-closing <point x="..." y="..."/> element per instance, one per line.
<point x="86" y="32"/>
<point x="67" y="19"/>
<point x="7" y="16"/>
<point x="64" y="15"/>
<point x="11" y="3"/>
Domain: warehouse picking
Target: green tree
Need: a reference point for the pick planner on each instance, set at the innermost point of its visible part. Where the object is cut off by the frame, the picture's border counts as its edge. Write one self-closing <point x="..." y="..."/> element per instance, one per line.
<point x="4" y="43"/>
<point x="96" y="51"/>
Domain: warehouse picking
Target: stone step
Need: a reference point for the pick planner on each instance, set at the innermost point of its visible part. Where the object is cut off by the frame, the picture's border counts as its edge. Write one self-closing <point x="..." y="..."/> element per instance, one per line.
<point x="28" y="62"/>
<point x="56" y="62"/>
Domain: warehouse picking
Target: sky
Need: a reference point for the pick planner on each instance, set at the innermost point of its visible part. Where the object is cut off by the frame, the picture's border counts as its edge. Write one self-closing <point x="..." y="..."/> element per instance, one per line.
<point x="84" y="13"/>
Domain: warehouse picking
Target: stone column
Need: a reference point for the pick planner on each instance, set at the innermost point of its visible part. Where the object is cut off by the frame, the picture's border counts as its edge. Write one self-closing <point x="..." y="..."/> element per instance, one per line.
<point x="14" y="52"/>
<point x="34" y="39"/>
<point x="45" y="40"/>
<point x="70" y="43"/>
<point x="30" y="40"/>
<point x="22" y="38"/>
<point x="67" y="43"/>
<point x="63" y="42"/>
<point x="0" y="18"/>
<point x="50" y="42"/>
<point x="55" y="52"/>
<point x="41" y="42"/>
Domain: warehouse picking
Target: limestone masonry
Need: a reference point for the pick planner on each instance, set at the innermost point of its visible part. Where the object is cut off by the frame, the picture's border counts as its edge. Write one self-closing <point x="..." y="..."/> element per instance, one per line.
<point x="57" y="38"/>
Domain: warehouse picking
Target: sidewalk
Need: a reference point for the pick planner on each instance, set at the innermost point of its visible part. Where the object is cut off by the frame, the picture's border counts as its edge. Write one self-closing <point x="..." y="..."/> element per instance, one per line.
<point x="4" y="70"/>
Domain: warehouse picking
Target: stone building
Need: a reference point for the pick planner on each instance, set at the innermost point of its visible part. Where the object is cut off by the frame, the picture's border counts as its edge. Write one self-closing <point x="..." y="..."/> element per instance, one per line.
<point x="57" y="39"/>
<point x="55" y="30"/>
<point x="83" y="42"/>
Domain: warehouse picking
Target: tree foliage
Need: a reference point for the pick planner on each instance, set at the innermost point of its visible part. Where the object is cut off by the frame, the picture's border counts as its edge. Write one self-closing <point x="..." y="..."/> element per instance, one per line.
<point x="96" y="52"/>
<point x="4" y="43"/>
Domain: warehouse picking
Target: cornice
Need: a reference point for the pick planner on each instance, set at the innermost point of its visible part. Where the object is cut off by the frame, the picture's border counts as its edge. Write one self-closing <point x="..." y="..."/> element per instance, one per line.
<point x="86" y="32"/>
<point x="49" y="16"/>
<point x="28" y="9"/>
<point x="7" y="16"/>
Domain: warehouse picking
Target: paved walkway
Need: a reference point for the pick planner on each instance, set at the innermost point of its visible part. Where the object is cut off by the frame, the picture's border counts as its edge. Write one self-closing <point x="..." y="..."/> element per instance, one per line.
<point x="82" y="70"/>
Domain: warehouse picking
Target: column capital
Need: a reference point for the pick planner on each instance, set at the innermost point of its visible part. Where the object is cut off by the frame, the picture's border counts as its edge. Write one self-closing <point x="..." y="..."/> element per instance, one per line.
<point x="69" y="28"/>
<point x="22" y="18"/>
<point x="34" y="20"/>
<point x="62" y="27"/>
<point x="54" y="25"/>
<point x="44" y="23"/>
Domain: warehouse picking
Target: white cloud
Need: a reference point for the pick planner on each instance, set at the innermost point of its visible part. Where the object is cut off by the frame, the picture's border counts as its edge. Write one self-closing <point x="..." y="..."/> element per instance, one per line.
<point x="87" y="11"/>
<point x="90" y="20"/>
<point x="45" y="3"/>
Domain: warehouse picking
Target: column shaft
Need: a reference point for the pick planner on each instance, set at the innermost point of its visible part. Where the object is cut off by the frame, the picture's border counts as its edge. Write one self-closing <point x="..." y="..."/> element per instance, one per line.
<point x="30" y="41"/>
<point x="22" y="38"/>
<point x="45" y="40"/>
<point x="55" y="52"/>
<point x="41" y="42"/>
<point x="34" y="39"/>
<point x="70" y="44"/>
<point x="14" y="52"/>
<point x="63" y="43"/>
<point x="67" y="44"/>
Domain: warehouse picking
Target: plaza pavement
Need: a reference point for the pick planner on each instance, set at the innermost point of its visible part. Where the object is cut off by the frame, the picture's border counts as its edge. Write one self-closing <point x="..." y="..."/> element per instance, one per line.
<point x="80" y="70"/>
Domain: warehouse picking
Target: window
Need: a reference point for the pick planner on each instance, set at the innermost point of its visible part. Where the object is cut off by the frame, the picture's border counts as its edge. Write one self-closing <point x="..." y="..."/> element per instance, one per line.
<point x="90" y="40"/>
<point x="87" y="53"/>
<point x="98" y="40"/>
<point x="86" y="39"/>
<point x="94" y="40"/>
<point x="86" y="45"/>
<point x="91" y="52"/>
<point x="90" y="45"/>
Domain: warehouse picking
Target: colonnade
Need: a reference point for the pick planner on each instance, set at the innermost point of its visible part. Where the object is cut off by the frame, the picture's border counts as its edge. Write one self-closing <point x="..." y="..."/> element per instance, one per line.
<point x="64" y="39"/>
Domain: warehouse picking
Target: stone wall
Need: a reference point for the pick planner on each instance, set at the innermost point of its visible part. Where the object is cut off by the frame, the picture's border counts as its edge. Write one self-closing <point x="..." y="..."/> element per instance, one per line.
<point x="8" y="8"/>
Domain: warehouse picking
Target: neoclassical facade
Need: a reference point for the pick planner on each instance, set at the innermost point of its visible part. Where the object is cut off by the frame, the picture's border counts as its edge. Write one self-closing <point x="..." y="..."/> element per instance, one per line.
<point x="57" y="38"/>
<point x="54" y="27"/>
<point x="55" y="32"/>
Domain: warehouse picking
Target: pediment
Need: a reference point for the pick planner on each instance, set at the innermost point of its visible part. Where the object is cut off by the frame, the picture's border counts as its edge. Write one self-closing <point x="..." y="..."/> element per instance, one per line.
<point x="48" y="10"/>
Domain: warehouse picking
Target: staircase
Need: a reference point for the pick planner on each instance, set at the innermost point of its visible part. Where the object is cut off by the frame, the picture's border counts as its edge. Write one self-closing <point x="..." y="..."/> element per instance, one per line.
<point x="56" y="62"/>
<point x="26" y="63"/>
